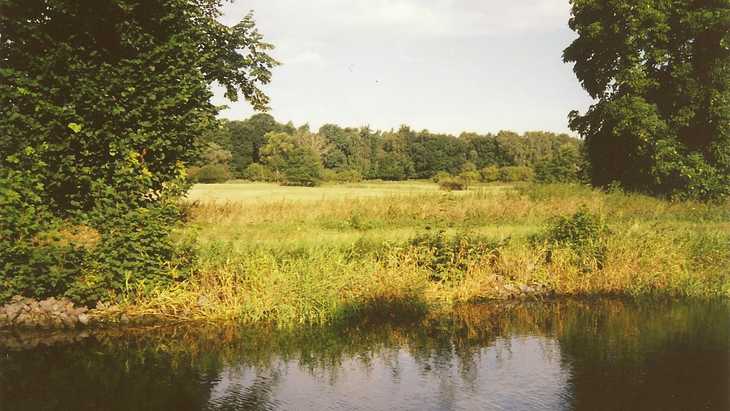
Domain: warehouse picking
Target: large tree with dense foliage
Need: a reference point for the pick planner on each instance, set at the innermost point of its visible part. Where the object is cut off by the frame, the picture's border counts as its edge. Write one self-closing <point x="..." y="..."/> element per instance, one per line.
<point x="291" y="159"/>
<point x="100" y="104"/>
<point x="659" y="71"/>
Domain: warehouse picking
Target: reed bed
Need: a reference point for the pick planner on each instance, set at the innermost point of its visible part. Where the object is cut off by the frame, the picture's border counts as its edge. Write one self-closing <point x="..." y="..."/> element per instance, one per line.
<point x="313" y="261"/>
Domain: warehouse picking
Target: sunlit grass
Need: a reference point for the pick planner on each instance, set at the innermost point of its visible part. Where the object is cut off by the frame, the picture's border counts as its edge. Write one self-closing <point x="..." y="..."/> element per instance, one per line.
<point x="311" y="255"/>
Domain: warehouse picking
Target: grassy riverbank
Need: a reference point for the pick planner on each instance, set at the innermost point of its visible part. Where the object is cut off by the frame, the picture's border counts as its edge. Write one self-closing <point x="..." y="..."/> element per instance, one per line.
<point x="312" y="255"/>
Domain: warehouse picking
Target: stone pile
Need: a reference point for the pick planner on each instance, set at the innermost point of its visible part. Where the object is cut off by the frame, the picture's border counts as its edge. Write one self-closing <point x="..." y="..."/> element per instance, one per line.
<point x="49" y="313"/>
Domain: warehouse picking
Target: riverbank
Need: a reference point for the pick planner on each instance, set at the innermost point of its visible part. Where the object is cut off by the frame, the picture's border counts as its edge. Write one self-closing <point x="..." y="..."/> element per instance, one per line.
<point x="280" y="256"/>
<point x="309" y="260"/>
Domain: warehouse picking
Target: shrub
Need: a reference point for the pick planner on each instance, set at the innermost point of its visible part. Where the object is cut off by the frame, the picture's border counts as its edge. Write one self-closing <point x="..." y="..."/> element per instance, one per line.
<point x="469" y="177"/>
<point x="516" y="173"/>
<point x="490" y="174"/>
<point x="453" y="184"/>
<point x="449" y="258"/>
<point x="135" y="251"/>
<point x="32" y="261"/>
<point x="213" y="173"/>
<point x="342" y="176"/>
<point x="258" y="172"/>
<point x="441" y="175"/>
<point x="584" y="233"/>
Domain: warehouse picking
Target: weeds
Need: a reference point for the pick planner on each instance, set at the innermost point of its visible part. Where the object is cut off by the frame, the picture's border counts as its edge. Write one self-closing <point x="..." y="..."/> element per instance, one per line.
<point x="319" y="260"/>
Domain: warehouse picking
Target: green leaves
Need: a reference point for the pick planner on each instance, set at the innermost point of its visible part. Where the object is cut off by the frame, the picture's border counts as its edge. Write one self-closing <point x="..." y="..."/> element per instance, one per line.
<point x="657" y="71"/>
<point x="138" y="73"/>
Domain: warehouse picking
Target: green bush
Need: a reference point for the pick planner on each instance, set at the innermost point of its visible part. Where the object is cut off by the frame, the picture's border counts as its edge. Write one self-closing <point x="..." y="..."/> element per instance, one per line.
<point x="135" y="253"/>
<point x="212" y="173"/>
<point x="441" y="175"/>
<point x="490" y="174"/>
<point x="32" y="260"/>
<point x="584" y="233"/>
<point x="453" y="184"/>
<point x="512" y="174"/>
<point x="342" y="176"/>
<point x="449" y="257"/>
<point x="258" y="172"/>
<point x="470" y="177"/>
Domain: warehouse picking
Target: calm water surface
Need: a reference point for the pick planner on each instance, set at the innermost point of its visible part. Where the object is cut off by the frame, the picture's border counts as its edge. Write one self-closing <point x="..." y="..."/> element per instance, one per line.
<point x="588" y="355"/>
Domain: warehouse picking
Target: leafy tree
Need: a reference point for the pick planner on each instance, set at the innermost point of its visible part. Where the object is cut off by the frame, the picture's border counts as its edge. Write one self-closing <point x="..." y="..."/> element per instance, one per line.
<point x="490" y="174"/>
<point x="660" y="74"/>
<point x="292" y="160"/>
<point x="215" y="154"/>
<point x="516" y="173"/>
<point x="258" y="172"/>
<point x="562" y="168"/>
<point x="100" y="105"/>
<point x="248" y="137"/>
<point x="211" y="173"/>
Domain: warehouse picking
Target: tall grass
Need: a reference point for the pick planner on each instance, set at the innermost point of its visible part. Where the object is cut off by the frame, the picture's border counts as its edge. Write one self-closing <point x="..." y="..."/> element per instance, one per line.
<point x="315" y="261"/>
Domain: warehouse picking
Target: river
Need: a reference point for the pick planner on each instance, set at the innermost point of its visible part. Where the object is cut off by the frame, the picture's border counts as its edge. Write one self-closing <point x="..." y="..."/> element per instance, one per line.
<point x="534" y="355"/>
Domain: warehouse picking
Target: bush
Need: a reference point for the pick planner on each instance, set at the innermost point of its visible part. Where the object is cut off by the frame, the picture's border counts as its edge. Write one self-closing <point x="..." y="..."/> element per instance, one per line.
<point x="258" y="172"/>
<point x="584" y="233"/>
<point x="441" y="175"/>
<point x="342" y="176"/>
<point x="511" y="174"/>
<point x="135" y="253"/>
<point x="490" y="174"/>
<point x="449" y="258"/>
<point x="33" y="262"/>
<point x="469" y="177"/>
<point x="453" y="184"/>
<point x="211" y="173"/>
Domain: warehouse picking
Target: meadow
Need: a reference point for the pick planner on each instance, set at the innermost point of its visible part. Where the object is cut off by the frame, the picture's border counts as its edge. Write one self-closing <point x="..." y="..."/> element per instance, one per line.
<point x="293" y="255"/>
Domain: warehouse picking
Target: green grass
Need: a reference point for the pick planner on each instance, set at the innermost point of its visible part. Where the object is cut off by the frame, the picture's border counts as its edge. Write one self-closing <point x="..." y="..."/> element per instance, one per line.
<point x="311" y="255"/>
<point x="250" y="192"/>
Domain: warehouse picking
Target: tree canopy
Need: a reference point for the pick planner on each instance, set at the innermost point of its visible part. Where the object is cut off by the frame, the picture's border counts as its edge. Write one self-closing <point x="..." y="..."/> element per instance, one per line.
<point x="100" y="105"/>
<point x="659" y="72"/>
<point x="347" y="153"/>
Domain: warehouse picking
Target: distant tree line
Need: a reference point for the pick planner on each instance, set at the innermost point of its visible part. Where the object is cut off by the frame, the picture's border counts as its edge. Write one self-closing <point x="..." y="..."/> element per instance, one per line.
<point x="262" y="149"/>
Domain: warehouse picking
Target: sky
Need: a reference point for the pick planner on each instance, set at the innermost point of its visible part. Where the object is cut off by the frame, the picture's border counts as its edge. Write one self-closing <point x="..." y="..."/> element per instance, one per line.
<point x="443" y="65"/>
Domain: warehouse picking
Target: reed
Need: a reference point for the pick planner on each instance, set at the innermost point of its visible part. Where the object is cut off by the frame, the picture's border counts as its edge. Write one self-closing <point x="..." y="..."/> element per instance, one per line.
<point x="317" y="260"/>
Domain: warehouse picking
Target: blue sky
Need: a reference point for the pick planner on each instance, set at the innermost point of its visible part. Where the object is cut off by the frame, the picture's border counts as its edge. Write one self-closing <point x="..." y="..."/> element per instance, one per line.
<point x="442" y="65"/>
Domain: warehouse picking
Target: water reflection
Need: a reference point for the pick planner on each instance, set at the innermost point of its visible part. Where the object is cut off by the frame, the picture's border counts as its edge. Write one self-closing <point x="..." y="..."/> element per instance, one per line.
<point x="601" y="354"/>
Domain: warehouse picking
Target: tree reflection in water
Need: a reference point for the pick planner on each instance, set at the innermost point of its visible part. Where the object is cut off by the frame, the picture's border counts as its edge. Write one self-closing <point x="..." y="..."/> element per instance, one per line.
<point x="584" y="354"/>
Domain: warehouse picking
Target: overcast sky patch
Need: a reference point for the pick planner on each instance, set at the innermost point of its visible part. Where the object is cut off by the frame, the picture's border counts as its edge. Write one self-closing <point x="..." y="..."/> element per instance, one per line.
<point x="442" y="65"/>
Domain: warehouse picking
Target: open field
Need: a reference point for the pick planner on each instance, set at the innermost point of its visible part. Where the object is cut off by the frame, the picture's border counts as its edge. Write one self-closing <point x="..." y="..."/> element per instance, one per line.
<point x="312" y="255"/>
<point x="265" y="192"/>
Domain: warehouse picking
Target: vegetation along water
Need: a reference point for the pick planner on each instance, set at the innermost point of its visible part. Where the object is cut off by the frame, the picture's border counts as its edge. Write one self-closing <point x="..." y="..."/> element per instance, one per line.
<point x="156" y="256"/>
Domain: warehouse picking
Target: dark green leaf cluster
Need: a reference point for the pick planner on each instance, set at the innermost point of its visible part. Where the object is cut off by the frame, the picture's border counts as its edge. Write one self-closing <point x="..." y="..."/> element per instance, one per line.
<point x="100" y="106"/>
<point x="660" y="74"/>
